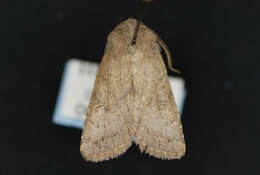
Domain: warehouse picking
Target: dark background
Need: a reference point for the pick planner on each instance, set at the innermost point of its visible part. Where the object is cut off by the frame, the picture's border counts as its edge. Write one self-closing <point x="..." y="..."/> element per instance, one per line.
<point x="215" y="44"/>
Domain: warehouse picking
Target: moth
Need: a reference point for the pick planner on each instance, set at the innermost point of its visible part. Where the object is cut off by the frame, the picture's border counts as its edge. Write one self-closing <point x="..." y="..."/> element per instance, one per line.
<point x="132" y="99"/>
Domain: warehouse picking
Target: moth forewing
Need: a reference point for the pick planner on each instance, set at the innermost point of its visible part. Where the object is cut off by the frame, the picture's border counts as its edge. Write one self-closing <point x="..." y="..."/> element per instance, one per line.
<point x="132" y="98"/>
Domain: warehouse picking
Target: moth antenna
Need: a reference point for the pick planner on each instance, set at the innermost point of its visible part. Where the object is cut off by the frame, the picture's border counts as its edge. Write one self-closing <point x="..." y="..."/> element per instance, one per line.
<point x="141" y="16"/>
<point x="168" y="54"/>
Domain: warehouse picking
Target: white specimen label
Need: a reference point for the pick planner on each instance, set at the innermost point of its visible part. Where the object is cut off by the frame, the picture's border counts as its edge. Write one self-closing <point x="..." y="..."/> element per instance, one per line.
<point x="75" y="92"/>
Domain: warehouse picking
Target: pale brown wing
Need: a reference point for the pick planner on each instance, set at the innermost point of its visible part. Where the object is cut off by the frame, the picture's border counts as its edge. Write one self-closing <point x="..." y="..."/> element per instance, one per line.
<point x="106" y="129"/>
<point x="158" y="126"/>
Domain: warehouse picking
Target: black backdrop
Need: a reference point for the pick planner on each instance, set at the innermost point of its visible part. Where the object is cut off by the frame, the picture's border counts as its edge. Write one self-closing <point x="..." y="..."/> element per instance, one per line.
<point x="214" y="43"/>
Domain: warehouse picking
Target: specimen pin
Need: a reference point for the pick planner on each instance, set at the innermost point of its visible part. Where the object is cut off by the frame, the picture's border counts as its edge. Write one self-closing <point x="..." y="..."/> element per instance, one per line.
<point x="142" y="9"/>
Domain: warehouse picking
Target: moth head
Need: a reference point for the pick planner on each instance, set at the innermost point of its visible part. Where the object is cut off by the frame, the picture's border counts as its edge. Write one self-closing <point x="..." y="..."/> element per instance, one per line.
<point x="121" y="38"/>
